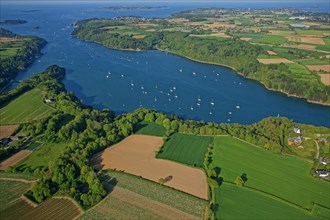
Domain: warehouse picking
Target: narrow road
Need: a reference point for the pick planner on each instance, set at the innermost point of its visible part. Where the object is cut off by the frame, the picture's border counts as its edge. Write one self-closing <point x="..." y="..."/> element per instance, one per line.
<point x="317" y="150"/>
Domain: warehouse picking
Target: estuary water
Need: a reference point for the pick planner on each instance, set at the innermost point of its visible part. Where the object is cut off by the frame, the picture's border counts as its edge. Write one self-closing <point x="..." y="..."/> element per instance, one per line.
<point x="123" y="81"/>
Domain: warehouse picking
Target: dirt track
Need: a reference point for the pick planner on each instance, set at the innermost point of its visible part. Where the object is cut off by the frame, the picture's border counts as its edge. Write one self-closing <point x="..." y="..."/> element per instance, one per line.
<point x="14" y="159"/>
<point x="136" y="155"/>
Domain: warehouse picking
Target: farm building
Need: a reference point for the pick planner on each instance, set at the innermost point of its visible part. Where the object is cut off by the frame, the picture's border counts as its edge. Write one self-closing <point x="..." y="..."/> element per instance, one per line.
<point x="49" y="100"/>
<point x="323" y="140"/>
<point x="295" y="140"/>
<point x="323" y="160"/>
<point x="297" y="130"/>
<point x="321" y="173"/>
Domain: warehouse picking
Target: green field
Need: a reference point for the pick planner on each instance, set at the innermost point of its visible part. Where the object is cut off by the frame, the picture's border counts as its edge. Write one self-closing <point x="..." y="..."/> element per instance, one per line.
<point x="283" y="176"/>
<point x="184" y="148"/>
<point x="26" y="107"/>
<point x="42" y="155"/>
<point x="145" y="193"/>
<point x="10" y="191"/>
<point x="313" y="61"/>
<point x="301" y="72"/>
<point x="149" y="128"/>
<point x="241" y="203"/>
<point x="272" y="39"/>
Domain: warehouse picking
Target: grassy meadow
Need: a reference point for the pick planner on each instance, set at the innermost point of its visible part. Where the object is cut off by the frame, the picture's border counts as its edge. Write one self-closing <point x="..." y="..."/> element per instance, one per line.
<point x="28" y="106"/>
<point x="42" y="155"/>
<point x="282" y="176"/>
<point x="184" y="148"/>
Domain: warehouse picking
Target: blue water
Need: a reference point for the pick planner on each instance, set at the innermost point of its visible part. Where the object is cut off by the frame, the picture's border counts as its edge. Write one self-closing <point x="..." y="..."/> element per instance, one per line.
<point x="123" y="81"/>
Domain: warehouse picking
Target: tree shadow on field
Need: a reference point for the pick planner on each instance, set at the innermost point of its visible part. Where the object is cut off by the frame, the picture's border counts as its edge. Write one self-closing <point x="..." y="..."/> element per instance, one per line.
<point x="138" y="127"/>
<point x="108" y="182"/>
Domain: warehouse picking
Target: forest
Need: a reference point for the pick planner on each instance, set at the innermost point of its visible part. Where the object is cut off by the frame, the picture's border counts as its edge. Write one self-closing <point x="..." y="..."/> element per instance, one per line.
<point x="17" y="52"/>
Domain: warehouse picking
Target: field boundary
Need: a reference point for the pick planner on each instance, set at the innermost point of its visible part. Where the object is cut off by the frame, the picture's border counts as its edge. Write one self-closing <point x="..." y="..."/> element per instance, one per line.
<point x="29" y="201"/>
<point x="18" y="180"/>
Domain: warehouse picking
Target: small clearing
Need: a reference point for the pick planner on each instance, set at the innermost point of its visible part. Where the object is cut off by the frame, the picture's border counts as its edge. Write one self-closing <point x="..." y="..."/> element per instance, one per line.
<point x="139" y="36"/>
<point x="14" y="159"/>
<point x="246" y="38"/>
<point x="7" y="130"/>
<point x="325" y="79"/>
<point x="274" y="61"/>
<point x="136" y="155"/>
<point x="271" y="52"/>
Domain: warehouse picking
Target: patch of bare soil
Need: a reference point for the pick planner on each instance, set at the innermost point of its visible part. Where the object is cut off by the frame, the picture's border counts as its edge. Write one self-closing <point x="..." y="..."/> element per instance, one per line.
<point x="7" y="130"/>
<point x="274" y="61"/>
<point x="136" y="155"/>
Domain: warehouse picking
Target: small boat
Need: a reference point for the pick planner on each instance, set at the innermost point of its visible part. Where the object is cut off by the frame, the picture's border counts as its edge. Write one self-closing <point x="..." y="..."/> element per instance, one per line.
<point x="109" y="73"/>
<point x="176" y="96"/>
<point x="156" y="87"/>
<point x="161" y="91"/>
<point x="237" y="106"/>
<point x="168" y="94"/>
<point x="229" y="113"/>
<point x="142" y="87"/>
<point x="194" y="73"/>
<point x="169" y="100"/>
<point x="174" y="88"/>
<point x="132" y="84"/>
<point x="155" y="100"/>
<point x="199" y="99"/>
<point x="107" y="76"/>
<point x="228" y="119"/>
<point x="210" y="113"/>
<point x="180" y="70"/>
<point x="212" y="103"/>
<point x="122" y="75"/>
<point x="198" y="104"/>
<point x="171" y="90"/>
<point x="147" y="62"/>
<point x="191" y="108"/>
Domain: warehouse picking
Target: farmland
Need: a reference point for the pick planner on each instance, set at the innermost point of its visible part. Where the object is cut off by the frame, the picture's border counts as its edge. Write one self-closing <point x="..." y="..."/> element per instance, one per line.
<point x="26" y="107"/>
<point x="135" y="197"/>
<point x="136" y="155"/>
<point x="53" y="208"/>
<point x="42" y="155"/>
<point x="10" y="191"/>
<point x="187" y="149"/>
<point x="274" y="175"/>
<point x="254" y="205"/>
<point x="148" y="128"/>
<point x="15" y="207"/>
